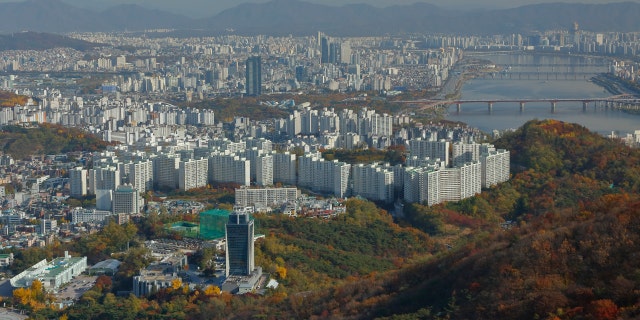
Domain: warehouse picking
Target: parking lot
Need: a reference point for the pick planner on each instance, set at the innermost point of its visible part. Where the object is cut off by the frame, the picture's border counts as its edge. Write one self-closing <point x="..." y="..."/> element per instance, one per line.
<point x="76" y="288"/>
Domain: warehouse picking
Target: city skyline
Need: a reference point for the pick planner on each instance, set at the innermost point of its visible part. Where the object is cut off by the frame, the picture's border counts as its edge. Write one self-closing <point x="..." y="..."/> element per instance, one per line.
<point x="204" y="8"/>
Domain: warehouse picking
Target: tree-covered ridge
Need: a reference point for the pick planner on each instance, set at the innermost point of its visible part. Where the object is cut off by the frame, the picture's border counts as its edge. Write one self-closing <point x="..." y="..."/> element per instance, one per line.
<point x="320" y="252"/>
<point x="47" y="138"/>
<point x="570" y="252"/>
<point x="226" y="109"/>
<point x="10" y="99"/>
<point x="393" y="155"/>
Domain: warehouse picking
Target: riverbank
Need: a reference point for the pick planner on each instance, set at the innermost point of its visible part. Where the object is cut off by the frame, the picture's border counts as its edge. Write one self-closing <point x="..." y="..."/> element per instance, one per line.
<point x="466" y="69"/>
<point x="615" y="85"/>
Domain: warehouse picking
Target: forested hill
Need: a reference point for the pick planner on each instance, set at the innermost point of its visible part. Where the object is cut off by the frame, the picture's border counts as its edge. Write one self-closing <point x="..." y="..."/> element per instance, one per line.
<point x="9" y="99"/>
<point x="46" y="138"/>
<point x="571" y="252"/>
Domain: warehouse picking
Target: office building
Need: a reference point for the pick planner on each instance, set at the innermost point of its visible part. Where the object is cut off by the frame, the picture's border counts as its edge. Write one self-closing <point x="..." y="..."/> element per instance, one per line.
<point x="81" y="215"/>
<point x="47" y="226"/>
<point x="104" y="199"/>
<point x="324" y="50"/>
<point x="253" y="76"/>
<point x="239" y="238"/>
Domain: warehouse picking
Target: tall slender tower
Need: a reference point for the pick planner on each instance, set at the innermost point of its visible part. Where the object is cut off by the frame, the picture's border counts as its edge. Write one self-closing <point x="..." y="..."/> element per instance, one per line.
<point x="324" y="50"/>
<point x="239" y="238"/>
<point x="253" y="76"/>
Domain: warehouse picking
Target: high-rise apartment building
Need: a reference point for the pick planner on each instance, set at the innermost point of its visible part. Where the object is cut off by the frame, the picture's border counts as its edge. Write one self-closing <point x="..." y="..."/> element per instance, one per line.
<point x="431" y="149"/>
<point x="239" y="238"/>
<point x="422" y="185"/>
<point x="495" y="167"/>
<point x="104" y="178"/>
<point x="193" y="174"/>
<point x="468" y="152"/>
<point x="284" y="168"/>
<point x="265" y="196"/>
<point x="78" y="182"/>
<point x="324" y="176"/>
<point x="253" y="76"/>
<point x="140" y="175"/>
<point x="165" y="170"/>
<point x="373" y="182"/>
<point x="264" y="170"/>
<point x="227" y="167"/>
<point x="127" y="200"/>
<point x="434" y="184"/>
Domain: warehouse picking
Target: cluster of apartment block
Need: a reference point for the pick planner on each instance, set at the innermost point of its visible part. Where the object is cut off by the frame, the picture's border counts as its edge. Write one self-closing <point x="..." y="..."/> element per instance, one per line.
<point x="108" y="114"/>
<point x="345" y="129"/>
<point x="435" y="171"/>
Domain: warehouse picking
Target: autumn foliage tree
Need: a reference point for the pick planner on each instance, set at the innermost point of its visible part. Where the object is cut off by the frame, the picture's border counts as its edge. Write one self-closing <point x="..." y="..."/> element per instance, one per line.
<point x="31" y="298"/>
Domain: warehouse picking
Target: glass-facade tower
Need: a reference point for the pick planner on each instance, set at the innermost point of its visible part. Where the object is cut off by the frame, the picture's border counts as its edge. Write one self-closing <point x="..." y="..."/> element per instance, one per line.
<point x="253" y="76"/>
<point x="239" y="238"/>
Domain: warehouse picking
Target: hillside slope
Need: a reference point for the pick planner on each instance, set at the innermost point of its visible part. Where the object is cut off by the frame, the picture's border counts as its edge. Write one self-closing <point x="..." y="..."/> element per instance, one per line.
<point x="572" y="252"/>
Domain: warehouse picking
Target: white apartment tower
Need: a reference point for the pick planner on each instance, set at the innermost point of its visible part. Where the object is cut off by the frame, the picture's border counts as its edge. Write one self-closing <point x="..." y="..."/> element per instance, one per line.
<point x="104" y="178"/>
<point x="264" y="170"/>
<point x="324" y="176"/>
<point x="165" y="170"/>
<point x="422" y="185"/>
<point x="373" y="182"/>
<point x="193" y="174"/>
<point x="284" y="168"/>
<point x="461" y="182"/>
<point x="226" y="167"/>
<point x="468" y="152"/>
<point x="141" y="175"/>
<point x="431" y="149"/>
<point x="78" y="182"/>
<point x="495" y="167"/>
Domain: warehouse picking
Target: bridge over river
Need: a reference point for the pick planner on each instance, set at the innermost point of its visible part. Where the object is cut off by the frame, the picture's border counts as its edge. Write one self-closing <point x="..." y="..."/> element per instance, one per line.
<point x="540" y="75"/>
<point x="615" y="102"/>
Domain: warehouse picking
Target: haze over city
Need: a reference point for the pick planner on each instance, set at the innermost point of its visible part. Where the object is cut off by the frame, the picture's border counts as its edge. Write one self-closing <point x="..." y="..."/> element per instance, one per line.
<point x="319" y="159"/>
<point x="203" y="8"/>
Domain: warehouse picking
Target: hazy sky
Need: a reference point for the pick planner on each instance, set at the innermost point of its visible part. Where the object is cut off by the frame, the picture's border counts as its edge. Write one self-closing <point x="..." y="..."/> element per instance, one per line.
<point x="205" y="8"/>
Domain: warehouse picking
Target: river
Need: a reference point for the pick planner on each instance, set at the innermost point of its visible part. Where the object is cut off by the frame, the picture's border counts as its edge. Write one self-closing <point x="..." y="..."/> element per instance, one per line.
<point x="529" y="76"/>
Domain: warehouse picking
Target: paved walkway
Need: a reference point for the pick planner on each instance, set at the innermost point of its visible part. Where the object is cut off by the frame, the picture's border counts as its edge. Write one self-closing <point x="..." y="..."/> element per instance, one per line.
<point x="6" y="314"/>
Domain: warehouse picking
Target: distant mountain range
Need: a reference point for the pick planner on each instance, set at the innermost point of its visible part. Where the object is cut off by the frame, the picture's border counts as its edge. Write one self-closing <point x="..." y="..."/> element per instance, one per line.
<point x="283" y="17"/>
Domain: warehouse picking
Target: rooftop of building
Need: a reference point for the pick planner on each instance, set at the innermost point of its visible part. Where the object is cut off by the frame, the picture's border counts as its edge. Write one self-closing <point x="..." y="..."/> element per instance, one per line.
<point x="112" y="264"/>
<point x="45" y="270"/>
